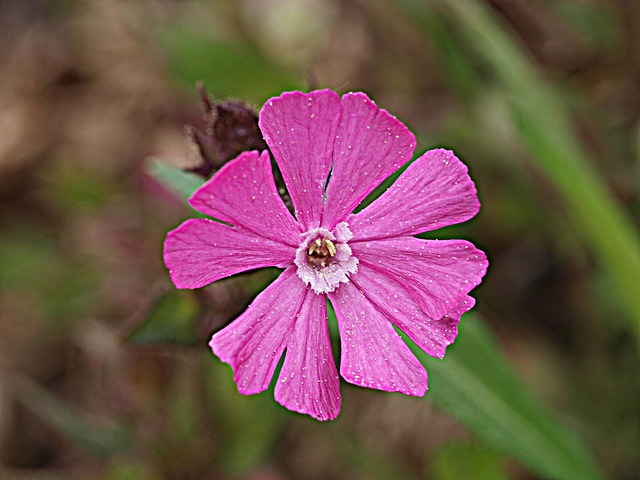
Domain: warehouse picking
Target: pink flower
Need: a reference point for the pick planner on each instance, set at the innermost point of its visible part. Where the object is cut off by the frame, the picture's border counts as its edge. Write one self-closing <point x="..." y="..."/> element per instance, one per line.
<point x="375" y="273"/>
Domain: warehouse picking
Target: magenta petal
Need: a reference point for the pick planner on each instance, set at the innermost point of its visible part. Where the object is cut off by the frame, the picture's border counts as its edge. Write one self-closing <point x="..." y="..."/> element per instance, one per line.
<point x="373" y="354"/>
<point x="370" y="145"/>
<point x="437" y="274"/>
<point x="244" y="194"/>
<point x="253" y="343"/>
<point x="300" y="129"/>
<point x="434" y="191"/>
<point x="431" y="335"/>
<point x="309" y="380"/>
<point x="202" y="251"/>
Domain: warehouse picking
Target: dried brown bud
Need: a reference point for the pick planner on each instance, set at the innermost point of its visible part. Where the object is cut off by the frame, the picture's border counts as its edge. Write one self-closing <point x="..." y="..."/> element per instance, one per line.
<point x="236" y="129"/>
<point x="231" y="127"/>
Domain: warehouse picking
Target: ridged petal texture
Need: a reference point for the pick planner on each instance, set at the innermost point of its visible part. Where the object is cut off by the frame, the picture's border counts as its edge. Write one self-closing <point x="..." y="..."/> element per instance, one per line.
<point x="309" y="380"/>
<point x="244" y="194"/>
<point x="300" y="129"/>
<point x="286" y="315"/>
<point x="201" y="251"/>
<point x="431" y="335"/>
<point x="254" y="342"/>
<point x="437" y="274"/>
<point x="435" y="191"/>
<point x="370" y="145"/>
<point x="333" y="152"/>
<point x="373" y="354"/>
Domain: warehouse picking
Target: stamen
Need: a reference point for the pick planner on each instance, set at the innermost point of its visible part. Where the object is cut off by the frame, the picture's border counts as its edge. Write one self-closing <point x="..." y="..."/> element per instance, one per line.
<point x="315" y="246"/>
<point x="331" y="247"/>
<point x="320" y="252"/>
<point x="322" y="248"/>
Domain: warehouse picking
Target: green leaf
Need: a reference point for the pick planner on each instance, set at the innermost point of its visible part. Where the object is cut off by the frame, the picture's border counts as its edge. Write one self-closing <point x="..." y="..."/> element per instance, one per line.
<point x="100" y="441"/>
<point x="176" y="180"/>
<point x="171" y="320"/>
<point x="476" y="385"/>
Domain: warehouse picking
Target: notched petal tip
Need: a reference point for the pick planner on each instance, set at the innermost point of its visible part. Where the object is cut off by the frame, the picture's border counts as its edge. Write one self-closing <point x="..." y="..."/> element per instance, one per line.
<point x="201" y="251"/>
<point x="458" y="172"/>
<point x="254" y="342"/>
<point x="373" y="354"/>
<point x="309" y="381"/>
<point x="437" y="274"/>
<point x="435" y="191"/>
<point x="297" y="94"/>
<point x="320" y="414"/>
<point x="203" y="194"/>
<point x="243" y="194"/>
<point x="451" y="322"/>
<point x="300" y="131"/>
<point x="370" y="144"/>
<point x="178" y="241"/>
<point x="243" y="388"/>
<point x="217" y="350"/>
<point x="398" y="127"/>
<point x="390" y="299"/>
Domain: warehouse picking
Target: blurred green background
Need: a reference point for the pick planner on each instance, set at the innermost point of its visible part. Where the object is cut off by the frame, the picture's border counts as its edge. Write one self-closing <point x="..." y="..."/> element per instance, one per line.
<point x="104" y="368"/>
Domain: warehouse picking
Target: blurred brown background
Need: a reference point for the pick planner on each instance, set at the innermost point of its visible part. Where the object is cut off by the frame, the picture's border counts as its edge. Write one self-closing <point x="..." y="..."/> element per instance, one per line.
<point x="90" y="89"/>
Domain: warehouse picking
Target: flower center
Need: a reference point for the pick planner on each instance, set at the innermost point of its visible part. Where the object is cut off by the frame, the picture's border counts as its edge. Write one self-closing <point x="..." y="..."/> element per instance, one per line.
<point x="324" y="259"/>
<point x="321" y="252"/>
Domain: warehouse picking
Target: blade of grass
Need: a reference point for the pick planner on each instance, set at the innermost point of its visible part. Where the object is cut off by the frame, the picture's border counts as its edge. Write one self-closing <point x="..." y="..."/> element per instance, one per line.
<point x="100" y="441"/>
<point x="544" y="123"/>
<point x="475" y="384"/>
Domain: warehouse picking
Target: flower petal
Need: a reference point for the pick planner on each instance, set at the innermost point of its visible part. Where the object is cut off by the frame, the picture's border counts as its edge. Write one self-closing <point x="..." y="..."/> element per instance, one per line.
<point x="300" y="129"/>
<point x="437" y="274"/>
<point x="244" y="194"/>
<point x="253" y="343"/>
<point x="309" y="380"/>
<point x="201" y="251"/>
<point x="431" y="335"/>
<point x="373" y="354"/>
<point x="370" y="145"/>
<point x="434" y="191"/>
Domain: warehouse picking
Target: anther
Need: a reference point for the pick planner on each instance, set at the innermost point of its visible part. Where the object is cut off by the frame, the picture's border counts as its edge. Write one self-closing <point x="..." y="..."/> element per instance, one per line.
<point x="320" y="252"/>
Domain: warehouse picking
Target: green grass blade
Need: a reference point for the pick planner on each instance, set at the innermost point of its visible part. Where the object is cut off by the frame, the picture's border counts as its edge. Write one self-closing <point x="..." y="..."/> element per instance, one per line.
<point x="544" y="124"/>
<point x="100" y="441"/>
<point x="475" y="384"/>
